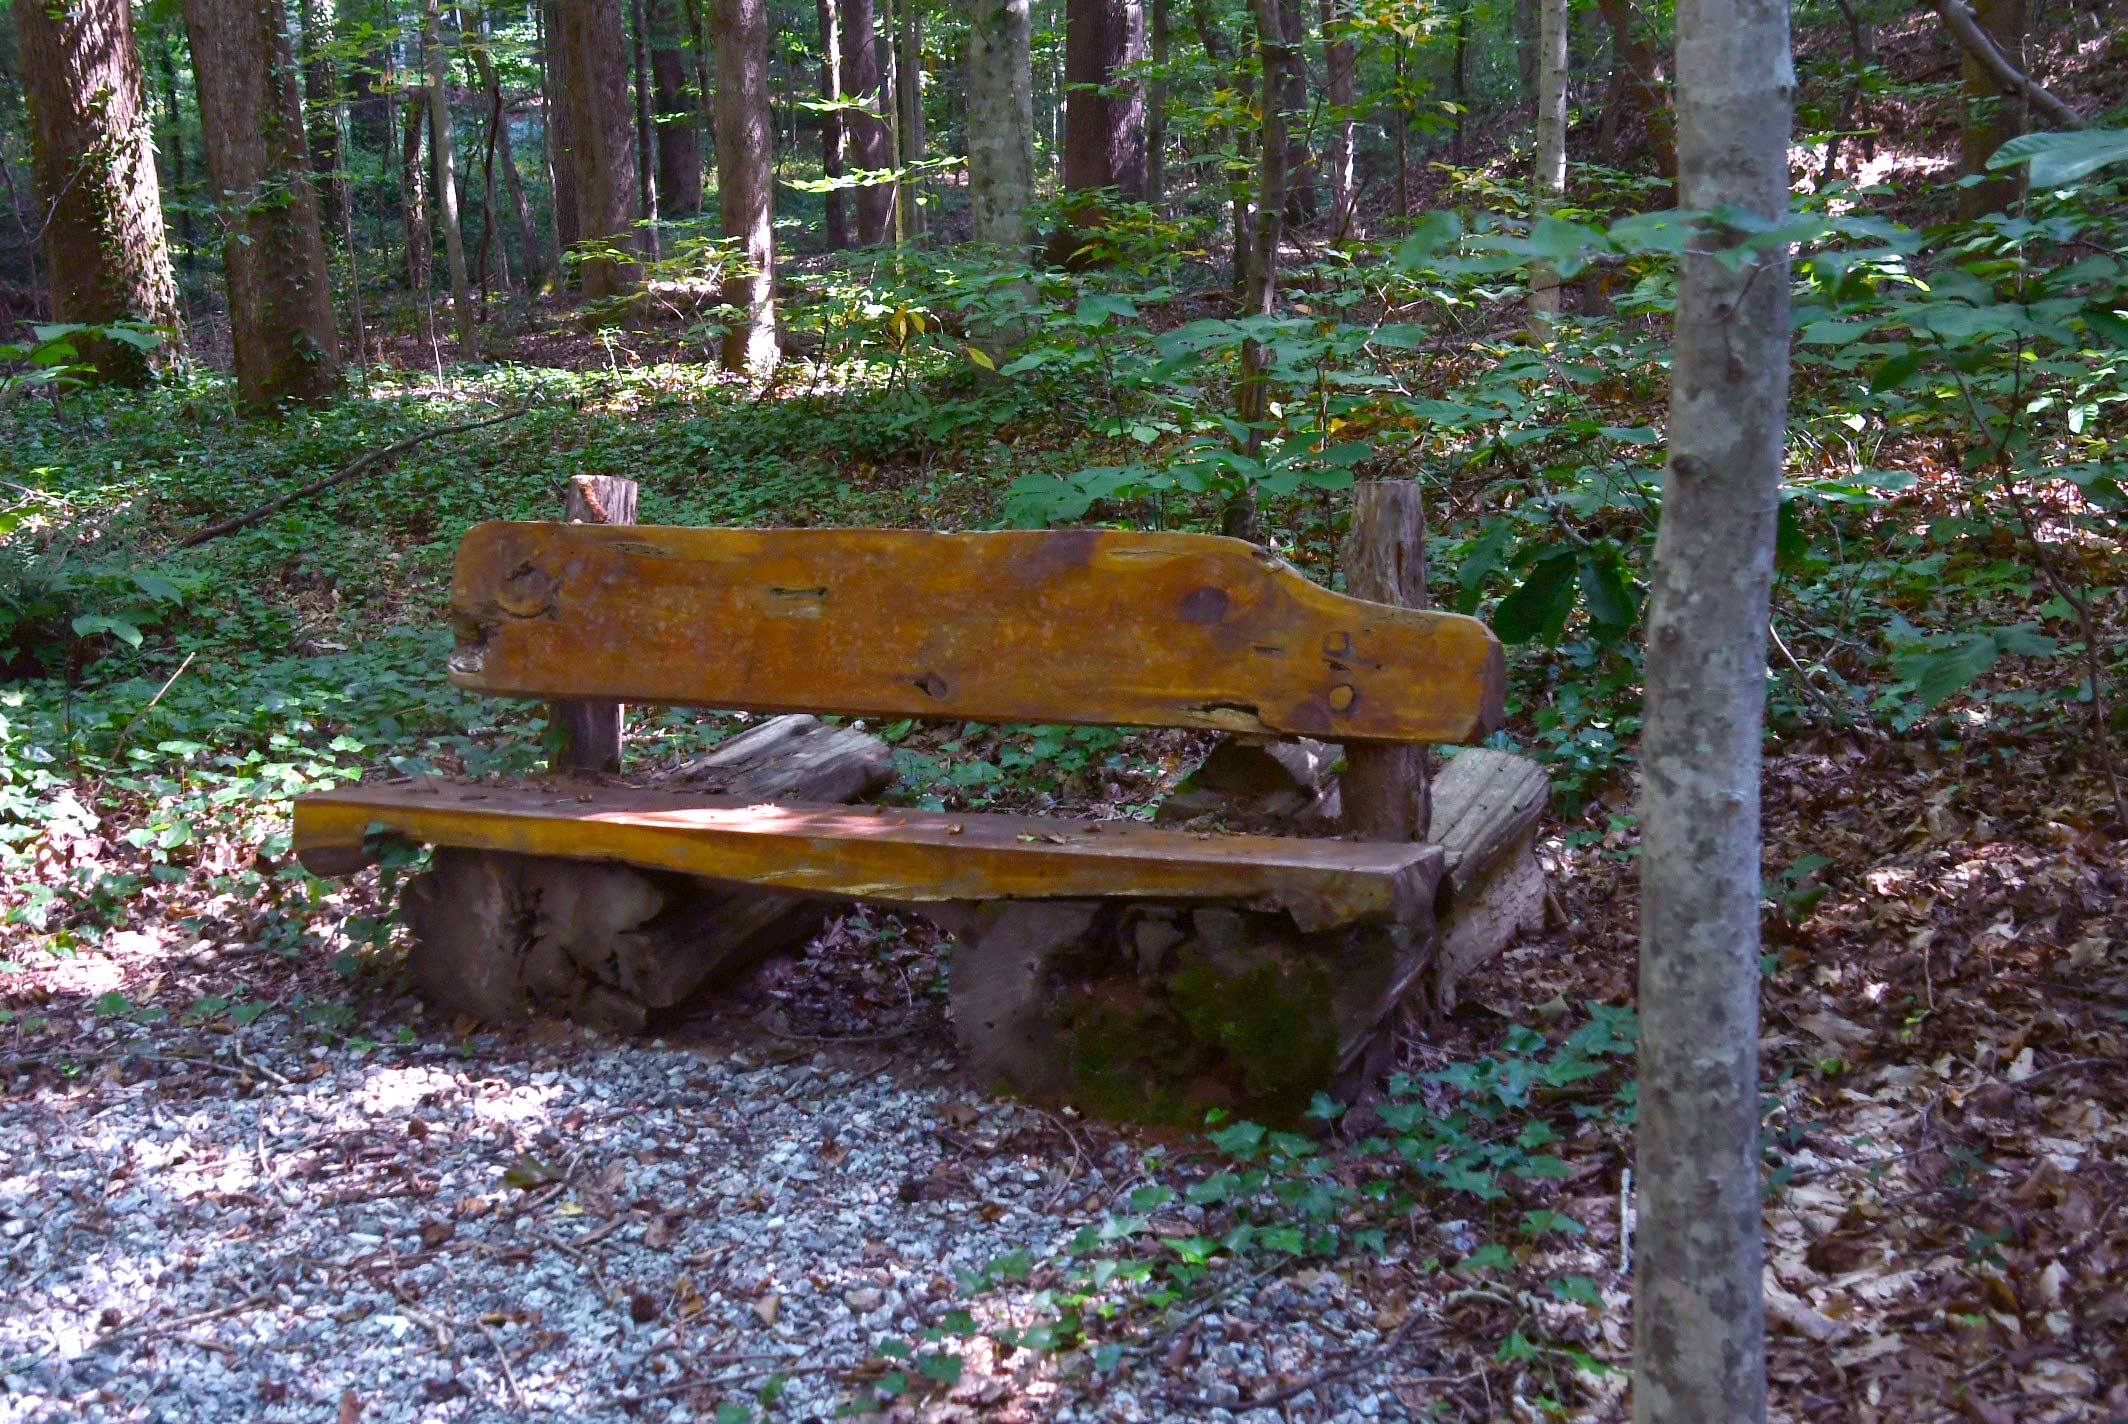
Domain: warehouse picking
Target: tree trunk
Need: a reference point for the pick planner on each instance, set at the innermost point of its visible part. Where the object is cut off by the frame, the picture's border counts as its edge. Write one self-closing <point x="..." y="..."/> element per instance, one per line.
<point x="1402" y="98"/>
<point x="593" y="53"/>
<point x="679" y="142"/>
<point x="1526" y="49"/>
<point x="1699" y="1336"/>
<point x="280" y="299"/>
<point x="1301" y="204"/>
<point x="92" y="155"/>
<point x="1548" y="182"/>
<point x="646" y="134"/>
<point x="1240" y="518"/>
<point x="321" y="114"/>
<point x="865" y="137"/>
<point x="180" y="182"/>
<point x="521" y="209"/>
<point x="1156" y="111"/>
<point x="705" y="105"/>
<point x="746" y="180"/>
<point x="831" y="141"/>
<point x="1000" y="119"/>
<point x="909" y="107"/>
<point x="1340" y="56"/>
<point x="1643" y="73"/>
<point x="413" y="195"/>
<point x="443" y="151"/>
<point x="1992" y="117"/>
<point x="558" y="127"/>
<point x="1220" y="51"/>
<point x="1104" y="113"/>
<point x="1459" y="87"/>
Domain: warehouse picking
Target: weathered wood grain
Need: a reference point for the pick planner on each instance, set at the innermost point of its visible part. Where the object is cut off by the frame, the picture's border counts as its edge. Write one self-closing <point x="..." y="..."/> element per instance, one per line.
<point x="591" y="727"/>
<point x="1386" y="793"/>
<point x="879" y="853"/>
<point x="1085" y="626"/>
<point x="1486" y="805"/>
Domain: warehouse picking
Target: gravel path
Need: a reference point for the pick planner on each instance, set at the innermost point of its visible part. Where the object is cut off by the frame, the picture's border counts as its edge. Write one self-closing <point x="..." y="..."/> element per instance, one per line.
<point x="193" y="1230"/>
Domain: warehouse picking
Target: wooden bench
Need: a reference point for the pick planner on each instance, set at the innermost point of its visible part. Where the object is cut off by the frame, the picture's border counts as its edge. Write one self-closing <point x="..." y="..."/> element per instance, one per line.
<point x="1131" y="967"/>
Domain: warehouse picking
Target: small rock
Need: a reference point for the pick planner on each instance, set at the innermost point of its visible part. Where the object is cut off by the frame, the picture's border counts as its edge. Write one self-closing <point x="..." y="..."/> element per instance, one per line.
<point x="864" y="1300"/>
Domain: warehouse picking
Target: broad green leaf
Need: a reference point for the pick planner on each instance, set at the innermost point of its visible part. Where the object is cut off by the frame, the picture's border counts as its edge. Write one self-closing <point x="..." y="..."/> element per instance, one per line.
<point x="2062" y="158"/>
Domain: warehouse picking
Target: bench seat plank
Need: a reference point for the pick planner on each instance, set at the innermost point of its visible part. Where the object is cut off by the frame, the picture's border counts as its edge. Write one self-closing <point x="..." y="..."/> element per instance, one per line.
<point x="879" y="853"/>
<point x="1091" y="626"/>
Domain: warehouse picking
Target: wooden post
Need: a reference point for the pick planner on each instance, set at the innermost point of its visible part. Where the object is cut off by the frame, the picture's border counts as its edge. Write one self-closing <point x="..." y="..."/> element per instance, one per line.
<point x="1386" y="790"/>
<point x="591" y="728"/>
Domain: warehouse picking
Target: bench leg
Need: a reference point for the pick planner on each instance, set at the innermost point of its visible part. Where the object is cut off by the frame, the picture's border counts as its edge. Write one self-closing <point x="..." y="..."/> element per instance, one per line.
<point x="1159" y="1012"/>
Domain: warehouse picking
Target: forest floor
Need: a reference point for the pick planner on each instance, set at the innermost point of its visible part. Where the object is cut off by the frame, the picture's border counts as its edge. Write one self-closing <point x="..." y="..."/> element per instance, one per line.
<point x="247" y="1177"/>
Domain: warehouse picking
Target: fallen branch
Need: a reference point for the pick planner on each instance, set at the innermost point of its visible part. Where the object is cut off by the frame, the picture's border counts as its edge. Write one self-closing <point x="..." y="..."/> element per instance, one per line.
<point x="346" y="472"/>
<point x="1959" y="19"/>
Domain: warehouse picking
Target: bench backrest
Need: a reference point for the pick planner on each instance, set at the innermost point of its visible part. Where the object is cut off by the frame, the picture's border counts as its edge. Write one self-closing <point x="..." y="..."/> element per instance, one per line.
<point x="1083" y="626"/>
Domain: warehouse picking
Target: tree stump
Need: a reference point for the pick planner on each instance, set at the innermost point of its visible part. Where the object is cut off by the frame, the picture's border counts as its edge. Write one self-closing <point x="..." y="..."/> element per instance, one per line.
<point x="503" y="937"/>
<point x="1157" y="1012"/>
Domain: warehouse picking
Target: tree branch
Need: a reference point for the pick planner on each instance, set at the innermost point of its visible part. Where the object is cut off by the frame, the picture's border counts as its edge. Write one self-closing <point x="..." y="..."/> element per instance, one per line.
<point x="1959" y="19"/>
<point x="346" y="472"/>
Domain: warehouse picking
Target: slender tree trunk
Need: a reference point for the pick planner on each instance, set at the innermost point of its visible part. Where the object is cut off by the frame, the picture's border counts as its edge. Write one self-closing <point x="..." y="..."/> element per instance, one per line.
<point x="679" y="143"/>
<point x="513" y="182"/>
<point x="1156" y="110"/>
<point x="705" y="106"/>
<point x="909" y="86"/>
<point x="1643" y="72"/>
<point x="1240" y="519"/>
<point x="413" y="194"/>
<point x="1699" y="1327"/>
<point x="1548" y="183"/>
<point x="1220" y="51"/>
<point x="251" y="109"/>
<point x="593" y="50"/>
<point x="321" y="113"/>
<point x="1527" y="49"/>
<point x="1992" y="117"/>
<point x="1401" y="61"/>
<point x="180" y="181"/>
<point x="558" y="123"/>
<point x="838" y="215"/>
<point x="646" y="134"/>
<point x="1104" y="113"/>
<point x="1340" y="56"/>
<point x="1301" y="202"/>
<point x="746" y="180"/>
<point x="1861" y="49"/>
<point x="1000" y="119"/>
<point x="1459" y="86"/>
<point x="865" y="135"/>
<point x="93" y="161"/>
<point x="444" y="152"/>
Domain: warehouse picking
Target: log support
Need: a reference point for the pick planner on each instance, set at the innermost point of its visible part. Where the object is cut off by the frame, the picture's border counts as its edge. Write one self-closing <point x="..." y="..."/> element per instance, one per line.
<point x="590" y="728"/>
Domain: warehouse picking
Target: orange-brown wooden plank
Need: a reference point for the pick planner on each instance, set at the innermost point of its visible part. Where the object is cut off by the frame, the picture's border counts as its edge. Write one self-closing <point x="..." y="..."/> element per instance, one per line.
<point x="1089" y="626"/>
<point x="878" y="853"/>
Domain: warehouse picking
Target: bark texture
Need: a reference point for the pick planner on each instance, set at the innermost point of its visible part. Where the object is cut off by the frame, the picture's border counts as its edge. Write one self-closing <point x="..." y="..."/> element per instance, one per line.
<point x="679" y="143"/>
<point x="865" y="137"/>
<point x="831" y="143"/>
<point x="1641" y="68"/>
<point x="1000" y="119"/>
<point x="1699" y="1327"/>
<point x="1548" y="181"/>
<point x="561" y="124"/>
<point x="280" y="300"/>
<point x="1340" y="57"/>
<point x="746" y="180"/>
<point x="1385" y="793"/>
<point x="321" y="114"/>
<point x="592" y="51"/>
<point x="1992" y="116"/>
<point x="1156" y="107"/>
<point x="1104" y="111"/>
<point x="444" y="150"/>
<point x="92" y="155"/>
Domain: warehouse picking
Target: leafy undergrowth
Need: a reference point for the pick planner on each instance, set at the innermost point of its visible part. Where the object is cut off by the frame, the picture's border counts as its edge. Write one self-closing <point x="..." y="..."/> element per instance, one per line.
<point x="1946" y="899"/>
